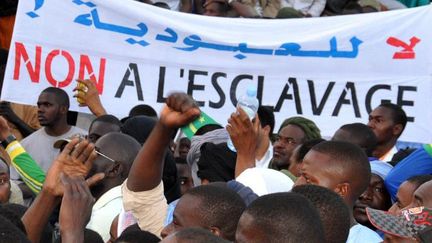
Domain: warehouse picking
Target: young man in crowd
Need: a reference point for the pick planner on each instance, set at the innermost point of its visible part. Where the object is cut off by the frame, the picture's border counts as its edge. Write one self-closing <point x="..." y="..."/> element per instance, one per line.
<point x="387" y="121"/>
<point x="343" y="168"/>
<point x="293" y="132"/>
<point x="53" y="106"/>
<point x="406" y="191"/>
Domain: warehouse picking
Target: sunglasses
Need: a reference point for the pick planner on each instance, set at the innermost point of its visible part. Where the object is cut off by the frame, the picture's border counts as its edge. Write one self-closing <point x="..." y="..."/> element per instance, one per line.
<point x="97" y="150"/>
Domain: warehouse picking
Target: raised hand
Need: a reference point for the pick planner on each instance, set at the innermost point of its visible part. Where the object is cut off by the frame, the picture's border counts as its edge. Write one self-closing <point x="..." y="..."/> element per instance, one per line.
<point x="243" y="133"/>
<point x="180" y="110"/>
<point x="75" y="209"/>
<point x="75" y="160"/>
<point x="88" y="95"/>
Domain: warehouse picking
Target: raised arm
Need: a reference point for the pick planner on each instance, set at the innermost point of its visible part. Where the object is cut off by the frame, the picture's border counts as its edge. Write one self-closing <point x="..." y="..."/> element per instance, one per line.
<point x="146" y="171"/>
<point x="244" y="135"/>
<point x="7" y="112"/>
<point x="31" y="173"/>
<point x="75" y="160"/>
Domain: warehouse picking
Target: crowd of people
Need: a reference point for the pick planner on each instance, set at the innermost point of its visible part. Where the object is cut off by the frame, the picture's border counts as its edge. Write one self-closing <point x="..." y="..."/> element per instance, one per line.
<point x="141" y="179"/>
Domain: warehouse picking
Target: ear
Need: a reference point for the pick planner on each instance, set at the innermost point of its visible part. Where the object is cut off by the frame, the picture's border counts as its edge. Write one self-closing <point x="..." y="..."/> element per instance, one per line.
<point x="266" y="129"/>
<point x="114" y="170"/>
<point x="343" y="189"/>
<point x="64" y="109"/>
<point x="397" y="129"/>
<point x="216" y="231"/>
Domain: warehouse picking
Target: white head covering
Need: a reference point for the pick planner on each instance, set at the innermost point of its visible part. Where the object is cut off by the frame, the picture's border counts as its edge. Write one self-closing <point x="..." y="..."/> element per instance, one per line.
<point x="265" y="181"/>
<point x="380" y="168"/>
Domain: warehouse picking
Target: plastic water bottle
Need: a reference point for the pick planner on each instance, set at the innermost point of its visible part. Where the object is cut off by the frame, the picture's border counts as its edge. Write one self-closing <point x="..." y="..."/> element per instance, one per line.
<point x="249" y="103"/>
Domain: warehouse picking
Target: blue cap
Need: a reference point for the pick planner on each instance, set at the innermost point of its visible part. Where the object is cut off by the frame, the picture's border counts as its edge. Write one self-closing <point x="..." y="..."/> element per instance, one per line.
<point x="251" y="91"/>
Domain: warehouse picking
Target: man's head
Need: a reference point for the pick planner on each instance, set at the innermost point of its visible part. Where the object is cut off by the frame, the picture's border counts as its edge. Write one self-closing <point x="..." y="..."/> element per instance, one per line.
<point x="267" y="120"/>
<point x="358" y="134"/>
<point x="120" y="151"/>
<point x="299" y="153"/>
<point x="103" y="125"/>
<point x="184" y="146"/>
<point x="193" y="235"/>
<point x="184" y="175"/>
<point x="387" y="122"/>
<point x="406" y="191"/>
<point x="293" y="132"/>
<point x="212" y="207"/>
<point x="53" y="106"/>
<point x="5" y="186"/>
<point x="142" y="110"/>
<point x="334" y="213"/>
<point x="280" y="217"/>
<point x="339" y="166"/>
<point x="10" y="233"/>
<point x="375" y="196"/>
<point x="216" y="8"/>
<point x="422" y="196"/>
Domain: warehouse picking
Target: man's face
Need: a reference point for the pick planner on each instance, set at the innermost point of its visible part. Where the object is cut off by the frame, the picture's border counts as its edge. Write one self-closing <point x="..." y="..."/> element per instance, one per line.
<point x="422" y="196"/>
<point x="213" y="9"/>
<point x="4" y="183"/>
<point x="49" y="112"/>
<point x="315" y="170"/>
<point x="98" y="129"/>
<point x="375" y="196"/>
<point x="185" y="177"/>
<point x="103" y="165"/>
<point x="287" y="140"/>
<point x="381" y="123"/>
<point x="295" y="166"/>
<point x="403" y="197"/>
<point x="247" y="231"/>
<point x="185" y="215"/>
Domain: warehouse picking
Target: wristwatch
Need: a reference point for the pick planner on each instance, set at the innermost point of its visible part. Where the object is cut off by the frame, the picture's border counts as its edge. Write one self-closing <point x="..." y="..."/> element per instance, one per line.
<point x="8" y="140"/>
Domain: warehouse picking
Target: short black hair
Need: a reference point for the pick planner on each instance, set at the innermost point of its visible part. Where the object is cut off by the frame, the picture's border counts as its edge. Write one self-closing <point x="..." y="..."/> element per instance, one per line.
<point x="305" y="147"/>
<point x="267" y="118"/>
<point x="136" y="236"/>
<point x="350" y="161"/>
<point x="398" y="114"/>
<point x="10" y="233"/>
<point x="142" y="109"/>
<point x="197" y="235"/>
<point x="220" y="207"/>
<point x="62" y="98"/>
<point x="334" y="213"/>
<point x="91" y="236"/>
<point x="120" y="147"/>
<point x="361" y="135"/>
<point x="286" y="217"/>
<point x="108" y="119"/>
<point x="418" y="180"/>
<point x="13" y="217"/>
<point x="162" y="5"/>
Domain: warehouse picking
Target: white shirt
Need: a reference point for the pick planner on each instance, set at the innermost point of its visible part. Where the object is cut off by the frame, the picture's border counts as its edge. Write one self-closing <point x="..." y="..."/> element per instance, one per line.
<point x="389" y="155"/>
<point x="106" y="208"/>
<point x="265" y="160"/>
<point x="362" y="234"/>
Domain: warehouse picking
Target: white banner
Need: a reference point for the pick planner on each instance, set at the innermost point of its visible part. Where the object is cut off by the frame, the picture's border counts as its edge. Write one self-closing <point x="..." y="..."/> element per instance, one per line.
<point x="333" y="70"/>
